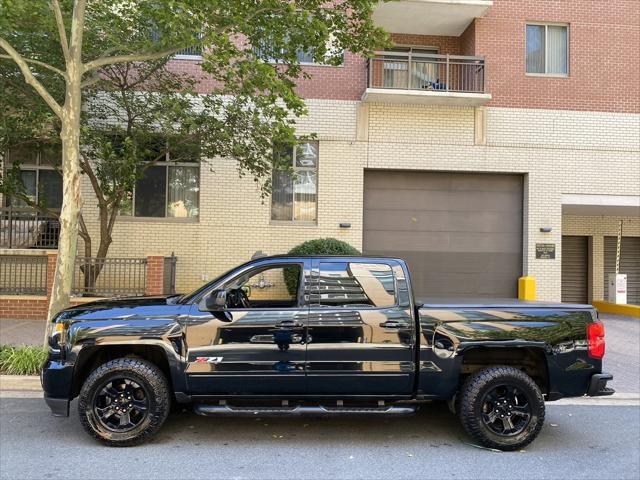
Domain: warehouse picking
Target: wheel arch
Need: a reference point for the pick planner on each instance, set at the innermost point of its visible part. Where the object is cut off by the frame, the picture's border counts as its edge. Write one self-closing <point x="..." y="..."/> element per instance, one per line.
<point x="91" y="357"/>
<point x="532" y="360"/>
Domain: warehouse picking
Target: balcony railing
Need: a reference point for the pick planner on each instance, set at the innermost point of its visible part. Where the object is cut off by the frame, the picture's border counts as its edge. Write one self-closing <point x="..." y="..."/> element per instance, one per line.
<point x="28" y="228"/>
<point x="422" y="71"/>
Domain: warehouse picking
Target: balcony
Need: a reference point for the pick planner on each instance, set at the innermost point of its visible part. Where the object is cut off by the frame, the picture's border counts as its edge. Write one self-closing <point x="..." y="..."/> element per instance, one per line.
<point x="396" y="77"/>
<point x="429" y="17"/>
<point x="28" y="228"/>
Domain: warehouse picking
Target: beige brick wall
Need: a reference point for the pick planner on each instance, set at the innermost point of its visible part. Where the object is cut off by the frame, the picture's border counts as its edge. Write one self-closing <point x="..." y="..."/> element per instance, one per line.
<point x="598" y="227"/>
<point x="558" y="152"/>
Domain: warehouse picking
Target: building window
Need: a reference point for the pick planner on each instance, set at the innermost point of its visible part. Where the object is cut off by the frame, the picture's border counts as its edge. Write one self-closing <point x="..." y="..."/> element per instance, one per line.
<point x="171" y="186"/>
<point x="294" y="194"/>
<point x="40" y="175"/>
<point x="547" y="49"/>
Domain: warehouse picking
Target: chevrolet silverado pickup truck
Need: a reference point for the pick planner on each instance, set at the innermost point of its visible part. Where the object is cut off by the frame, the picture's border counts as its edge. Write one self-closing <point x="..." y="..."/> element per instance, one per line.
<point x="320" y="335"/>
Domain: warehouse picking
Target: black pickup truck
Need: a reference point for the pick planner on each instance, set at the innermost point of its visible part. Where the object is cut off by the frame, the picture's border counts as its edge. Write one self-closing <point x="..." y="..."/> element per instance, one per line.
<point x="320" y="335"/>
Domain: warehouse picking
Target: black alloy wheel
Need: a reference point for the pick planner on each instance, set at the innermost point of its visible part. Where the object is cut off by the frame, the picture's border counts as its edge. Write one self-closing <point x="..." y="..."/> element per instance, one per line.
<point x="124" y="401"/>
<point x="121" y="405"/>
<point x="506" y="410"/>
<point x="501" y="407"/>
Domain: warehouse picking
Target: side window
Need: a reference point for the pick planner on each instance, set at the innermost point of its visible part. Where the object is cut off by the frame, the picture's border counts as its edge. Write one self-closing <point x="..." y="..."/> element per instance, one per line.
<point x="270" y="287"/>
<point x="350" y="284"/>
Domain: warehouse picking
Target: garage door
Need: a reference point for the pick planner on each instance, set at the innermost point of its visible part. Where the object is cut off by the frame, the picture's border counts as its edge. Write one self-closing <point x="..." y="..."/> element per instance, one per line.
<point x="575" y="269"/>
<point x="629" y="264"/>
<point x="460" y="233"/>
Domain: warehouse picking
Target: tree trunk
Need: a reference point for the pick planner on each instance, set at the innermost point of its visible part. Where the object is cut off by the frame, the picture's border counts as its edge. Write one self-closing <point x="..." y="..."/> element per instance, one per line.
<point x="71" y="200"/>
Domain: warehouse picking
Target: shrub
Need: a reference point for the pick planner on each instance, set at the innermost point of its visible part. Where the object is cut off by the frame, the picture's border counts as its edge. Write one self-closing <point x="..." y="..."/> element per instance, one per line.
<point x="25" y="360"/>
<point x="320" y="246"/>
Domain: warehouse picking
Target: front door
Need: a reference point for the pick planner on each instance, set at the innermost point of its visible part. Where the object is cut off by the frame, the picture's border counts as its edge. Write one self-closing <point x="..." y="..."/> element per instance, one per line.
<point x="256" y="345"/>
<point x="361" y="329"/>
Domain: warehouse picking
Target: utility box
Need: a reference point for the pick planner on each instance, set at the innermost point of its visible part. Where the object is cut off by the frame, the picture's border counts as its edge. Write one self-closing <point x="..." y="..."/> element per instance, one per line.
<point x="618" y="288"/>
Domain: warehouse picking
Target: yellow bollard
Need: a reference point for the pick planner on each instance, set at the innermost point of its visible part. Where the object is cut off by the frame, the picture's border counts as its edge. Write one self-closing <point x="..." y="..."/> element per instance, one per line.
<point x="527" y="289"/>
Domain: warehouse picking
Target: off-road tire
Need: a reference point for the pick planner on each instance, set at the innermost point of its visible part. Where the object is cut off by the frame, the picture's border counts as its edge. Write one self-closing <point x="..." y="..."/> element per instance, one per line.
<point x="147" y="375"/>
<point x="469" y="406"/>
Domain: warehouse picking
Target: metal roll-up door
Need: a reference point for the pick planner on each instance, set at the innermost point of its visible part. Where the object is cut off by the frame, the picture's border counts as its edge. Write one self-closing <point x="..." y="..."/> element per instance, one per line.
<point x="575" y="269"/>
<point x="460" y="233"/>
<point x="629" y="264"/>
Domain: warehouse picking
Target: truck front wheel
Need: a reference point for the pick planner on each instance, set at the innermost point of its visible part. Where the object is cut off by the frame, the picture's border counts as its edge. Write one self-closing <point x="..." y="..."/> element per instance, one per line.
<point x="501" y="407"/>
<point x="124" y="402"/>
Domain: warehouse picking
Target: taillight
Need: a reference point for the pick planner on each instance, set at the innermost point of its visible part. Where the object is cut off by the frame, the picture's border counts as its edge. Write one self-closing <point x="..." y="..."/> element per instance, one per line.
<point x="595" y="339"/>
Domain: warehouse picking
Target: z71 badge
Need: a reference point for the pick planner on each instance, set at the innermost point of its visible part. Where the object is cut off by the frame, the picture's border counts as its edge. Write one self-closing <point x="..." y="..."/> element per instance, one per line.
<point x="208" y="359"/>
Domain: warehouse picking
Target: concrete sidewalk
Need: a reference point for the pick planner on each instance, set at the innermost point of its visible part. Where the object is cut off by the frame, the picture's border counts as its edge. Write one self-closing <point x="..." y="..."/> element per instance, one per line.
<point x="21" y="332"/>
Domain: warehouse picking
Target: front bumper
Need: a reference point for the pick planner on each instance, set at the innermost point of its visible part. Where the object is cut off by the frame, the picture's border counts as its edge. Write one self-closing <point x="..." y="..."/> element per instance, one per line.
<point x="56" y="378"/>
<point x="598" y="385"/>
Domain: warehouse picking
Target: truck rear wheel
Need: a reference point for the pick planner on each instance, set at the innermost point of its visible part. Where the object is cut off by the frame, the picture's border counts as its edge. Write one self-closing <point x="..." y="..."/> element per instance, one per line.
<point x="501" y="407"/>
<point x="124" y="402"/>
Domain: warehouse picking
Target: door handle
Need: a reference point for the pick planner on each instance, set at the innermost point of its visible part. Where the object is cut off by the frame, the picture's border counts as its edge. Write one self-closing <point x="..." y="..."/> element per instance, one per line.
<point x="289" y="324"/>
<point x="391" y="324"/>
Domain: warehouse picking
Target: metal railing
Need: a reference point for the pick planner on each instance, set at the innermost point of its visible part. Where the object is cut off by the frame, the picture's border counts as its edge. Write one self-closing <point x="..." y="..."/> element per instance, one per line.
<point x="110" y="277"/>
<point x="422" y="71"/>
<point x="169" y="274"/>
<point x="23" y="274"/>
<point x="28" y="228"/>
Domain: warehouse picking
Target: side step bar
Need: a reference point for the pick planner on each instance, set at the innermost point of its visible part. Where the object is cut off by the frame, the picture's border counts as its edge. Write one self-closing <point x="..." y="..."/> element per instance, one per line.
<point x="299" y="410"/>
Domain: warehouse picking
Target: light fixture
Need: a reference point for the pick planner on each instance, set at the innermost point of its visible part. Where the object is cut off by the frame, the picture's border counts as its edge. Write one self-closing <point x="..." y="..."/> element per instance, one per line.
<point x="546" y="229"/>
<point x="345" y="225"/>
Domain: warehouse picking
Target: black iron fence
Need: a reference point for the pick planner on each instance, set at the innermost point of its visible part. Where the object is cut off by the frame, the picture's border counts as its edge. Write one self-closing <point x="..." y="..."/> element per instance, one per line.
<point x="422" y="71"/>
<point x="28" y="228"/>
<point x="23" y="274"/>
<point x="110" y="277"/>
<point x="92" y="277"/>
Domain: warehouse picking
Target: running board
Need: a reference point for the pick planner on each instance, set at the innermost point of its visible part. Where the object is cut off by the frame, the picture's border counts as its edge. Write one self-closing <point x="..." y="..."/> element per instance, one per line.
<point x="299" y="410"/>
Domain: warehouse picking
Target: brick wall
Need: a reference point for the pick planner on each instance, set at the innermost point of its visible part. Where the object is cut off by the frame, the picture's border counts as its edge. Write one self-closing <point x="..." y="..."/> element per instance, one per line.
<point x="604" y="70"/>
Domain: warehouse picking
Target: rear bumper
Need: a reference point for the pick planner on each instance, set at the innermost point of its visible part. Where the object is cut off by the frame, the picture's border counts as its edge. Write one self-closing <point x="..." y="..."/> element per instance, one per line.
<point x="598" y="385"/>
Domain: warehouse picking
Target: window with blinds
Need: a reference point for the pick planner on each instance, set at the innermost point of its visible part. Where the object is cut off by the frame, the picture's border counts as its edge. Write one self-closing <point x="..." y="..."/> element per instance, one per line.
<point x="294" y="188"/>
<point x="547" y="49"/>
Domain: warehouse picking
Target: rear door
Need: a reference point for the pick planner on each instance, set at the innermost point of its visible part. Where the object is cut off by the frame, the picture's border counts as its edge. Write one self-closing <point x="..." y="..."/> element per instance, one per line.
<point x="361" y="330"/>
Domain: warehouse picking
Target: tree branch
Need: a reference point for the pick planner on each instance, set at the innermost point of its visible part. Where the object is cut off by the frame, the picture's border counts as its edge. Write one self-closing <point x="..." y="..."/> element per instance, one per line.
<point x="85" y="166"/>
<point x="134" y="57"/>
<point x="38" y="62"/>
<point x="29" y="78"/>
<point x="61" y="30"/>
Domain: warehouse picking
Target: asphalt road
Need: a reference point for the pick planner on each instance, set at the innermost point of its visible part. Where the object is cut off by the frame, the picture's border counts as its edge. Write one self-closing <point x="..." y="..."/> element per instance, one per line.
<point x="577" y="442"/>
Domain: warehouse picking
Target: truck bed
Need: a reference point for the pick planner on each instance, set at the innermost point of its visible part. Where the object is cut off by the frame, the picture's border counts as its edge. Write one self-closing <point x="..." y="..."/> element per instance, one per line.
<point x="465" y="302"/>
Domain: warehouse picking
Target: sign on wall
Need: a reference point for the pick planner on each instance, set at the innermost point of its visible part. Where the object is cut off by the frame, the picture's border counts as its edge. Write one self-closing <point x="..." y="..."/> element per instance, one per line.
<point x="546" y="251"/>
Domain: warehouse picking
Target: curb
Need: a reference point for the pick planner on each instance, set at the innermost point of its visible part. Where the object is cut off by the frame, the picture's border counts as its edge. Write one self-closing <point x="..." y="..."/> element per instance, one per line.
<point x="20" y="382"/>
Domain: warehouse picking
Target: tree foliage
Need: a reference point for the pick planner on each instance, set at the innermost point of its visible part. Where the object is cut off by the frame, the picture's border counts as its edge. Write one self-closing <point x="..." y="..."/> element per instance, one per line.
<point x="118" y="55"/>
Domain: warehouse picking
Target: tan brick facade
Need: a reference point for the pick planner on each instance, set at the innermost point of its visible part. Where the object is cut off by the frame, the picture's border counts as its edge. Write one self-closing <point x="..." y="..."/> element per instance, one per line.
<point x="558" y="152"/>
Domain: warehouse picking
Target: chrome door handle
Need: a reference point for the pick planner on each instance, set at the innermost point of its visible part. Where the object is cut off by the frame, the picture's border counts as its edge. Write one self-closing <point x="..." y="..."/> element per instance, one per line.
<point x="391" y="324"/>
<point x="289" y="324"/>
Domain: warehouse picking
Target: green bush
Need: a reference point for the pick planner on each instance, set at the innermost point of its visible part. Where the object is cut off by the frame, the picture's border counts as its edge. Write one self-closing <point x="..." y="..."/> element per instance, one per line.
<point x="320" y="246"/>
<point x="25" y="360"/>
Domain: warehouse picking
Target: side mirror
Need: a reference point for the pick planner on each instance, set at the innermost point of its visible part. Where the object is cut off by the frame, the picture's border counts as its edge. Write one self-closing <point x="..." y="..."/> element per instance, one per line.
<point x="216" y="301"/>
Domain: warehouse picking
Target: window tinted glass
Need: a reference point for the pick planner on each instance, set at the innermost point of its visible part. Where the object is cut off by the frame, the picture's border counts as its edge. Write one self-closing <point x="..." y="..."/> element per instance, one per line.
<point x="150" y="193"/>
<point x="535" y="48"/>
<point x="50" y="188"/>
<point x="344" y="284"/>
<point x="266" y="288"/>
